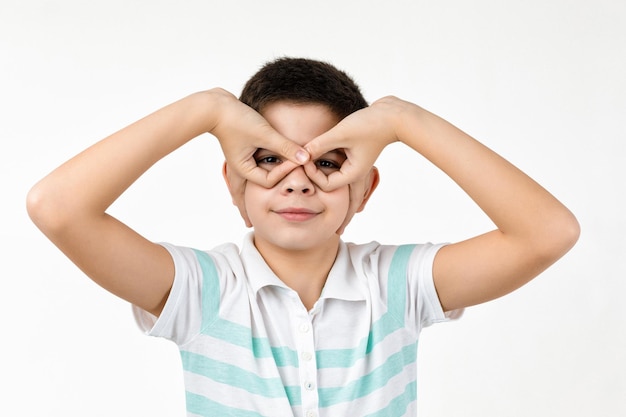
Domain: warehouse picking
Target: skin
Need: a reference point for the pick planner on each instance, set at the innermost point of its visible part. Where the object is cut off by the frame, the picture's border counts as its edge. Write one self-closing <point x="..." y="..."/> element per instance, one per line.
<point x="296" y="224"/>
<point x="532" y="228"/>
<point x="69" y="205"/>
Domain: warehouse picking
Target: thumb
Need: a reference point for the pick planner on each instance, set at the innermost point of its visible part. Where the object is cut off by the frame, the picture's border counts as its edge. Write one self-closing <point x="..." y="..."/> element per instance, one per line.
<point x="288" y="149"/>
<point x="320" y="145"/>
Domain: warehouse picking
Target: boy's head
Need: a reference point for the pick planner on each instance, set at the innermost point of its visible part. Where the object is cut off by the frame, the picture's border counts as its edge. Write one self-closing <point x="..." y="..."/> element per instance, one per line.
<point x="301" y="99"/>
<point x="301" y="80"/>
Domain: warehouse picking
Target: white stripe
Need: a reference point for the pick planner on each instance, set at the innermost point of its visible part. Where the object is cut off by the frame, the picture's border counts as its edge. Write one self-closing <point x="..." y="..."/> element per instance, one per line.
<point x="241" y="357"/>
<point x="232" y="396"/>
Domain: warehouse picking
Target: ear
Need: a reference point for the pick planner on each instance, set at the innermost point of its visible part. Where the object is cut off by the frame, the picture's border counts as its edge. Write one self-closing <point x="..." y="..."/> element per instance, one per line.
<point x="370" y="185"/>
<point x="236" y="187"/>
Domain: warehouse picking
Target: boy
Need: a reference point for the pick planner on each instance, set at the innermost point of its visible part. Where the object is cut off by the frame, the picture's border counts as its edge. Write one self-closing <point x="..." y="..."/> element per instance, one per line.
<point x="298" y="322"/>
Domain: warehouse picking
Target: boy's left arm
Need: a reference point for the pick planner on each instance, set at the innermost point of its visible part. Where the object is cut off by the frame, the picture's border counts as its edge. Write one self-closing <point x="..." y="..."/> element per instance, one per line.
<point x="533" y="228"/>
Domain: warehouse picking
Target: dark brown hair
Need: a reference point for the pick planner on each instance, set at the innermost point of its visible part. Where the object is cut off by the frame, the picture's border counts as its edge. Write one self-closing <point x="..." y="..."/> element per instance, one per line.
<point x="302" y="80"/>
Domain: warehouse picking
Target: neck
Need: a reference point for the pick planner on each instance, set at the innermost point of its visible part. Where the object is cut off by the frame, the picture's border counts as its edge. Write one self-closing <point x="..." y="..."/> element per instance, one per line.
<point x="304" y="271"/>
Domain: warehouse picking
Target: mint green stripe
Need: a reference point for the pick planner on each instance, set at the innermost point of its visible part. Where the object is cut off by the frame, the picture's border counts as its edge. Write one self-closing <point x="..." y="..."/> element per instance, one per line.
<point x="284" y="356"/>
<point x="369" y="383"/>
<point x="396" y="291"/>
<point x="239" y="335"/>
<point x="391" y="321"/>
<point x="202" y="406"/>
<point x="228" y="331"/>
<point x="210" y="288"/>
<point x="294" y="394"/>
<point x="345" y="358"/>
<point x="235" y="334"/>
<point x="232" y="375"/>
<point x="399" y="405"/>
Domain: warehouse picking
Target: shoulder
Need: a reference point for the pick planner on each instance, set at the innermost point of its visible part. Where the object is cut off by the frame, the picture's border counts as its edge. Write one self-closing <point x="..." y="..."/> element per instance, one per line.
<point x="404" y="270"/>
<point x="400" y="277"/>
<point x="189" y="261"/>
<point x="383" y="257"/>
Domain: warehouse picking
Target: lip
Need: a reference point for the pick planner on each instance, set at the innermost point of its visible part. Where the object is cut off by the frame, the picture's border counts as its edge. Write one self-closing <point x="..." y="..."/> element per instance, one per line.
<point x="296" y="214"/>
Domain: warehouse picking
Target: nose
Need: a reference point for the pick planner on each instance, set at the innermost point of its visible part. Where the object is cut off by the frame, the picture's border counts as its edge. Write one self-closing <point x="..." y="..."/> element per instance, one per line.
<point x="297" y="182"/>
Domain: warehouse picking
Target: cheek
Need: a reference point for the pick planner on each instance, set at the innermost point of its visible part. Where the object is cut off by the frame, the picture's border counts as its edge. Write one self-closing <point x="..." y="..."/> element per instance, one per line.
<point x="339" y="200"/>
<point x="253" y="201"/>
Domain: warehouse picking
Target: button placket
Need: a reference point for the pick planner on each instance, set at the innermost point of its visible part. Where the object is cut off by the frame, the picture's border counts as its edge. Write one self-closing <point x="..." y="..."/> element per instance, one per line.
<point x="307" y="365"/>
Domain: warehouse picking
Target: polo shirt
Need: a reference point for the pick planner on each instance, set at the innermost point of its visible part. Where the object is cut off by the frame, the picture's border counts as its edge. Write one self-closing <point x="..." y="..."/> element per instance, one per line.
<point x="250" y="348"/>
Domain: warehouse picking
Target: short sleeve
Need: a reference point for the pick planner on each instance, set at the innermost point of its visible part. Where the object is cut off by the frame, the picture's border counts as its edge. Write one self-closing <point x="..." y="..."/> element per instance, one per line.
<point x="181" y="317"/>
<point x="424" y="308"/>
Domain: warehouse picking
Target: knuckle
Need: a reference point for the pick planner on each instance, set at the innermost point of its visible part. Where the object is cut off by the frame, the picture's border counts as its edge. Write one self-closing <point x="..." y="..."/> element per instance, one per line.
<point x="287" y="148"/>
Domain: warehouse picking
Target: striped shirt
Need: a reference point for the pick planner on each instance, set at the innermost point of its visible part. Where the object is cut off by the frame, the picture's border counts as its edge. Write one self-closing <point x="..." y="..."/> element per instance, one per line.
<point x="250" y="348"/>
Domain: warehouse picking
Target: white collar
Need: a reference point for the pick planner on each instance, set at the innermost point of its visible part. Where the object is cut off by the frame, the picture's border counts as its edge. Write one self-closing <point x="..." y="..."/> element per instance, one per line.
<point x="342" y="283"/>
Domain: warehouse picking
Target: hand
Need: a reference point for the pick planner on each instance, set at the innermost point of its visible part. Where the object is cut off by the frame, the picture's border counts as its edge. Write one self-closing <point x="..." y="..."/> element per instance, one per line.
<point x="241" y="131"/>
<point x="362" y="136"/>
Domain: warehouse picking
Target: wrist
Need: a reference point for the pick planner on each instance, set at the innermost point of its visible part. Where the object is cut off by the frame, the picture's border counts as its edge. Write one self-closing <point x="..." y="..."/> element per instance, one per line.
<point x="205" y="106"/>
<point x="395" y="112"/>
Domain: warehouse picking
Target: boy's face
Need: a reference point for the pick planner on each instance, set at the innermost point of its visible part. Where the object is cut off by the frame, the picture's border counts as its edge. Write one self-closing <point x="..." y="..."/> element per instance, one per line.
<point x="295" y="214"/>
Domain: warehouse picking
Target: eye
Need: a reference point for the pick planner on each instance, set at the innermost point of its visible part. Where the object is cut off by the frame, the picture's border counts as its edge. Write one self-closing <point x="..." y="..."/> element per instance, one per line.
<point x="266" y="161"/>
<point x="327" y="164"/>
<point x="330" y="162"/>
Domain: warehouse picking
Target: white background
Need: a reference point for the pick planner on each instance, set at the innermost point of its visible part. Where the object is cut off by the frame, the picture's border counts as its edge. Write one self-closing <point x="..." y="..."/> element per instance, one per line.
<point x="541" y="82"/>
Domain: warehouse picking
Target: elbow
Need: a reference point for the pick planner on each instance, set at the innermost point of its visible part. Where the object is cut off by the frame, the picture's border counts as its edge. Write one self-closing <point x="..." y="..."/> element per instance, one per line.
<point x="43" y="210"/>
<point x="35" y="205"/>
<point x="570" y="232"/>
<point x="574" y="230"/>
<point x="562" y="234"/>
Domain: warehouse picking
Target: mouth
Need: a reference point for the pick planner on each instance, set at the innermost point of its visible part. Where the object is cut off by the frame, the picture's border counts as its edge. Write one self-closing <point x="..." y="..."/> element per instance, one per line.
<point x="295" y="214"/>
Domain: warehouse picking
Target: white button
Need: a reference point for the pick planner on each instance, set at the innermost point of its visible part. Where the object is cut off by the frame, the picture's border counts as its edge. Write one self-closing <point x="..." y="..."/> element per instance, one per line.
<point x="304" y="327"/>
<point x="311" y="413"/>
<point x="307" y="356"/>
<point x="309" y="386"/>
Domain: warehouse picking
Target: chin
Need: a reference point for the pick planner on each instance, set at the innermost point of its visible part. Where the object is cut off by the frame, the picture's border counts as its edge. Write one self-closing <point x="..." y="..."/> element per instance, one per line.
<point x="298" y="245"/>
<point x="290" y="241"/>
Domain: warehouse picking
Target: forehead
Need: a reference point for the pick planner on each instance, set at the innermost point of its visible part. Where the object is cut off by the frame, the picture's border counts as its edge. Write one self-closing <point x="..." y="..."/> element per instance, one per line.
<point x="299" y="122"/>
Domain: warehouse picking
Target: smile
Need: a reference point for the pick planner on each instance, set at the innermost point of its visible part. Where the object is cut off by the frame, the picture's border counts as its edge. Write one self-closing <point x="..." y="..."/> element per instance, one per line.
<point x="294" y="214"/>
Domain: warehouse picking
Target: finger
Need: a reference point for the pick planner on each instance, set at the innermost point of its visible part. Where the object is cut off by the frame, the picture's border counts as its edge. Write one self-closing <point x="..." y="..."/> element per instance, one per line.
<point x="280" y="171"/>
<point x="338" y="137"/>
<point x="274" y="141"/>
<point x="268" y="179"/>
<point x="316" y="176"/>
<point x="346" y="175"/>
<point x="323" y="181"/>
<point x="326" y="142"/>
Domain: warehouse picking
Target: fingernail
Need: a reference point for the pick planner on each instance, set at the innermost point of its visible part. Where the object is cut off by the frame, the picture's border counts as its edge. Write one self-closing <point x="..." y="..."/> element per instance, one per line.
<point x="302" y="156"/>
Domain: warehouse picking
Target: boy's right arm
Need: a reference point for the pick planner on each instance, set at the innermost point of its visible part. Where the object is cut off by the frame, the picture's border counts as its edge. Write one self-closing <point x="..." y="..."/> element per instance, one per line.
<point x="69" y="205"/>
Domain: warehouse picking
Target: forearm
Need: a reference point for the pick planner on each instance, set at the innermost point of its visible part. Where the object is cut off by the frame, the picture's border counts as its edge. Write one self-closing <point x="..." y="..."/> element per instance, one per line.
<point x="533" y="229"/>
<point x="518" y="206"/>
<point x="91" y="181"/>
